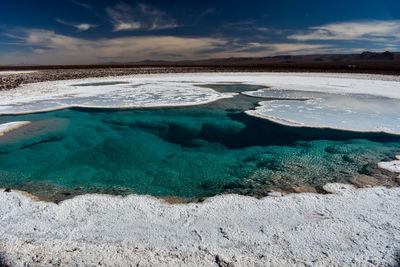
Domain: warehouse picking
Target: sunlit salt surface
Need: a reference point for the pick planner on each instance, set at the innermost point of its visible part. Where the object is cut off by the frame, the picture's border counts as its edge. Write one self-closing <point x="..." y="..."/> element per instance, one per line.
<point x="341" y="111"/>
<point x="127" y="93"/>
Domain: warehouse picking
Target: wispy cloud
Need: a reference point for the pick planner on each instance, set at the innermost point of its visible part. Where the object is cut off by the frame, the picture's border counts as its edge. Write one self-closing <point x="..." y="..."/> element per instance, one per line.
<point x="127" y="18"/>
<point x="250" y="26"/>
<point x="256" y="49"/>
<point x="263" y="29"/>
<point x="84" y="26"/>
<point x="371" y="30"/>
<point x="47" y="47"/>
<point x="81" y="4"/>
<point x="79" y="26"/>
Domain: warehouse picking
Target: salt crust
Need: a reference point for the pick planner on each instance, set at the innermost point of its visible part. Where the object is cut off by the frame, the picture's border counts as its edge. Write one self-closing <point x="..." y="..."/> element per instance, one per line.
<point x="349" y="227"/>
<point x="392" y="166"/>
<point x="153" y="90"/>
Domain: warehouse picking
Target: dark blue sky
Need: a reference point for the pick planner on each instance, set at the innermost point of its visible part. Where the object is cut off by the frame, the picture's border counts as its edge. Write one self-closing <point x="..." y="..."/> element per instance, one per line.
<point x="83" y="31"/>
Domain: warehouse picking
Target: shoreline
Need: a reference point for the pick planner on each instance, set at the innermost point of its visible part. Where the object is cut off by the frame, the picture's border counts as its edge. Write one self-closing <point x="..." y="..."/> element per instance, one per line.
<point x="360" y="181"/>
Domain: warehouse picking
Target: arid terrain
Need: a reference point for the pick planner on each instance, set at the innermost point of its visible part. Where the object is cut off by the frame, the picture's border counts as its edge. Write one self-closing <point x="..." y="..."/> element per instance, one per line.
<point x="367" y="62"/>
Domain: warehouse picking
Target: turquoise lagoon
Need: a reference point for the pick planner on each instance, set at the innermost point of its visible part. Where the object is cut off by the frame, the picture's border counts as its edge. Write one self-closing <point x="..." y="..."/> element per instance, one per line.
<point x="186" y="152"/>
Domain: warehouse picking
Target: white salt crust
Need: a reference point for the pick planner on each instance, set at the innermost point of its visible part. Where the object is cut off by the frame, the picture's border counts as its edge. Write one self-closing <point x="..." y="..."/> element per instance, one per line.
<point x="349" y="227"/>
<point x="392" y="166"/>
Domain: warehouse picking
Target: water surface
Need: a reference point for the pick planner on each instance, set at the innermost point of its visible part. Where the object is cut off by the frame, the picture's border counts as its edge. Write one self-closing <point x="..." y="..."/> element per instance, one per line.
<point x="187" y="152"/>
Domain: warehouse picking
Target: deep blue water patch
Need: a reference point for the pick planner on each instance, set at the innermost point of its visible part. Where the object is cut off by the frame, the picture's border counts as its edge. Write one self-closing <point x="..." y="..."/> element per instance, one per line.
<point x="188" y="152"/>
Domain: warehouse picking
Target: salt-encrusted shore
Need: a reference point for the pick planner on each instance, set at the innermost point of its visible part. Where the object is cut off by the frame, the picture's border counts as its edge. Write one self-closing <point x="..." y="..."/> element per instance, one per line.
<point x="349" y="227"/>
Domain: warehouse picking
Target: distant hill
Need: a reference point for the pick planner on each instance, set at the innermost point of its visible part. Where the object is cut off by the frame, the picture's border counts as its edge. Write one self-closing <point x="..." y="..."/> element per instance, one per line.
<point x="393" y="57"/>
<point x="373" y="62"/>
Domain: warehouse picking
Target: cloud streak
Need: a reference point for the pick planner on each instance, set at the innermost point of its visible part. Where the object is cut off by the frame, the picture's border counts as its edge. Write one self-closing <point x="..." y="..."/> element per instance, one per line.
<point x="373" y="30"/>
<point x="78" y="26"/>
<point x="256" y="49"/>
<point x="81" y="4"/>
<point x="124" y="17"/>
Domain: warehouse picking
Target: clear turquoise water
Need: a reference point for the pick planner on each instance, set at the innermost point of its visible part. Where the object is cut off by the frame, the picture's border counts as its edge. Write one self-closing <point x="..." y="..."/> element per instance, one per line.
<point x="189" y="152"/>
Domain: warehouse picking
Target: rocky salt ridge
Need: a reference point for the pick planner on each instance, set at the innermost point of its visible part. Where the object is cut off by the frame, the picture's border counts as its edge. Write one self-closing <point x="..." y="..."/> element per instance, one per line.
<point x="348" y="227"/>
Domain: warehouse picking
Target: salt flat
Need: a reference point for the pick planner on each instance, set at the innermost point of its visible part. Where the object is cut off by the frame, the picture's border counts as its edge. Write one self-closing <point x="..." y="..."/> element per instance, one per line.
<point x="358" y="102"/>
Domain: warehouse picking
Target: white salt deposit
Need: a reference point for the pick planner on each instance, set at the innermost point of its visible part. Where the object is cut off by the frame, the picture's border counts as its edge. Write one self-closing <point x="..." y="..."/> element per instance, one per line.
<point x="392" y="166"/>
<point x="128" y="92"/>
<point x="350" y="227"/>
<point x="9" y="126"/>
<point x="370" y="112"/>
<point x="348" y="112"/>
<point x="360" y="102"/>
<point x="10" y="72"/>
